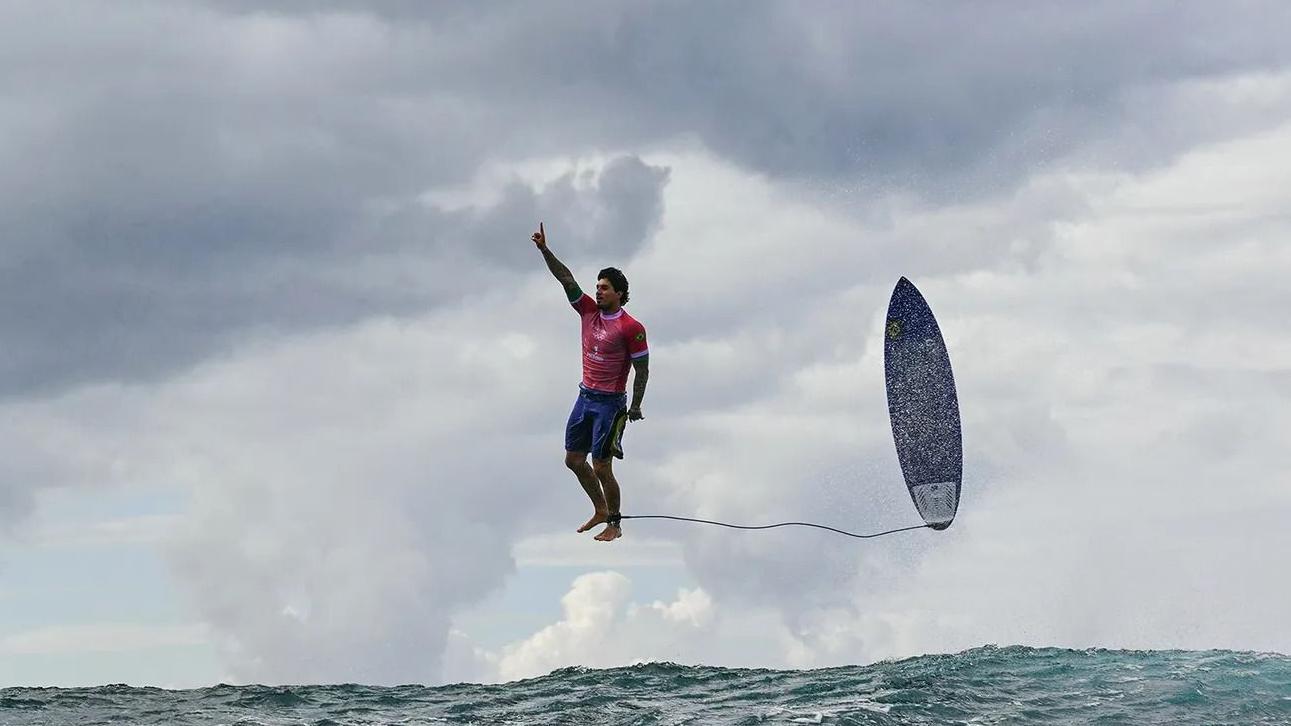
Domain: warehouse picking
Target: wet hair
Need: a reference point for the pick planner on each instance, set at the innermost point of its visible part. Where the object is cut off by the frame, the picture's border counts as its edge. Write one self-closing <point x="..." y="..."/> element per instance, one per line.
<point x="617" y="281"/>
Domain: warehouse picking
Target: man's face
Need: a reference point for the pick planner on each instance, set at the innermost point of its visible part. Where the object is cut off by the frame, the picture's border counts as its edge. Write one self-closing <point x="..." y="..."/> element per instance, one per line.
<point x="606" y="296"/>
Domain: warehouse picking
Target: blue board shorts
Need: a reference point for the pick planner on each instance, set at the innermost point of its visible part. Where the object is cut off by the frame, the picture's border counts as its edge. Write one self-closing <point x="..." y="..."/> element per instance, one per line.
<point x="596" y="424"/>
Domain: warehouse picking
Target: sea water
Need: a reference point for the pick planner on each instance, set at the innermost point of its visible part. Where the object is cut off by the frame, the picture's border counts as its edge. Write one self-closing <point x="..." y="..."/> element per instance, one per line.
<point x="988" y="685"/>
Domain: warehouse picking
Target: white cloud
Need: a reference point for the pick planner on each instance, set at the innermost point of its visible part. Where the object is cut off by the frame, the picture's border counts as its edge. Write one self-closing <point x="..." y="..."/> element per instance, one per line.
<point x="603" y="627"/>
<point x="1124" y="367"/>
<point x="1122" y="437"/>
<point x="592" y="606"/>
<point x="692" y="607"/>
<point x="102" y="637"/>
<point x="559" y="549"/>
<point x="150" y="529"/>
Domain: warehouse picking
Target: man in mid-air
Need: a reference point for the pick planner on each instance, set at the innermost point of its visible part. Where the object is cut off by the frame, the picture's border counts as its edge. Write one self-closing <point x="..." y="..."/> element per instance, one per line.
<point x="613" y="342"/>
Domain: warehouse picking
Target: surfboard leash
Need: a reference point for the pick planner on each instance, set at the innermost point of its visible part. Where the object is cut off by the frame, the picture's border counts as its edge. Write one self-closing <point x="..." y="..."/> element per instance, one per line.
<point x="614" y="520"/>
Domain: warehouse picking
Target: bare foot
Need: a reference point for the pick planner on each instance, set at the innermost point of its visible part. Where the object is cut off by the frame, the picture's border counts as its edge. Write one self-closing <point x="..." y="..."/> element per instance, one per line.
<point x="609" y="534"/>
<point x="598" y="518"/>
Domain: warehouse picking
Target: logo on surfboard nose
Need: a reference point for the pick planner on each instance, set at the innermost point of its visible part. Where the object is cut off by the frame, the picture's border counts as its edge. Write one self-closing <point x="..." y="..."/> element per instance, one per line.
<point x="894" y="328"/>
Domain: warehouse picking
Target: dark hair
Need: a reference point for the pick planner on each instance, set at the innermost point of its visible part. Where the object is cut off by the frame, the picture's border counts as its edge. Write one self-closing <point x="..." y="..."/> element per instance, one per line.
<point x="617" y="280"/>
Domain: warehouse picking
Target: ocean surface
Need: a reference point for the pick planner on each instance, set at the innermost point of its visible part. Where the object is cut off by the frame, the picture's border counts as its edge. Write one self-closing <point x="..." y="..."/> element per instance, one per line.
<point x="987" y="685"/>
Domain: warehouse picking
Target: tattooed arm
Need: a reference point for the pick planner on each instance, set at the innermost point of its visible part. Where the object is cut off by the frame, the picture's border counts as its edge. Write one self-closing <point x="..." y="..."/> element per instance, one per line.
<point x="640" y="374"/>
<point x="558" y="269"/>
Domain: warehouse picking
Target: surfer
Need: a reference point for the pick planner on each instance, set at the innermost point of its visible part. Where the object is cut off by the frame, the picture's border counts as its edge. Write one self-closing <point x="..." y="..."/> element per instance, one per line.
<point x="613" y="342"/>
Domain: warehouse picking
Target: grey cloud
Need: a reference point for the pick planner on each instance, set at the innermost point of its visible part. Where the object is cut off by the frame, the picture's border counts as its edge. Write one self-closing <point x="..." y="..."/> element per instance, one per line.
<point x="15" y="502"/>
<point x="250" y="171"/>
<point x="321" y="553"/>
<point x="136" y="297"/>
<point x="959" y="99"/>
<point x="164" y="196"/>
<point x="607" y="216"/>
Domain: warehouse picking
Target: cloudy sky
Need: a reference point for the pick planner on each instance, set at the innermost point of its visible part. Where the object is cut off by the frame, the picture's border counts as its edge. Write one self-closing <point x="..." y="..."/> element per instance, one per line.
<point x="283" y="381"/>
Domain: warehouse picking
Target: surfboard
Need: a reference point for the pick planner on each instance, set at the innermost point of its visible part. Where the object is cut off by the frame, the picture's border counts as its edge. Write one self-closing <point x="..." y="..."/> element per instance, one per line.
<point x="923" y="406"/>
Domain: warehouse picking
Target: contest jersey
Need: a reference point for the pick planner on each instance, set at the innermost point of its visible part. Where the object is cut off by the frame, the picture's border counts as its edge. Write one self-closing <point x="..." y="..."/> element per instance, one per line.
<point x="610" y="344"/>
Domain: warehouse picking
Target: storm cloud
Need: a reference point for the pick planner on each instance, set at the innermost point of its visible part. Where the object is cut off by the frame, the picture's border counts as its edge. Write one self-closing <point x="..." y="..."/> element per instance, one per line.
<point x="181" y="175"/>
<point x="278" y="258"/>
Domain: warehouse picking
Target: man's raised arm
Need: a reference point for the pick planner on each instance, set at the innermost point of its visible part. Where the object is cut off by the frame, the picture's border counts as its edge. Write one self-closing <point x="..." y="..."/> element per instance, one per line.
<point x="558" y="269"/>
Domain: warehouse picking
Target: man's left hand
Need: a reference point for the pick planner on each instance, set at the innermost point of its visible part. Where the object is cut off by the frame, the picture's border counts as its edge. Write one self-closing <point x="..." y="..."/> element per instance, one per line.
<point x="634" y="414"/>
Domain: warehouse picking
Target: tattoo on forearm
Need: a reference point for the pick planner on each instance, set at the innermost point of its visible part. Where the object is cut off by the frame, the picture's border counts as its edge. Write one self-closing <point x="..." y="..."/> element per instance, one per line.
<point x="639" y="386"/>
<point x="558" y="268"/>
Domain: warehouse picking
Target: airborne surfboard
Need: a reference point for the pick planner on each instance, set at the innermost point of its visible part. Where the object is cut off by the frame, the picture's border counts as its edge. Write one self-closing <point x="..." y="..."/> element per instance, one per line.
<point x="923" y="406"/>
